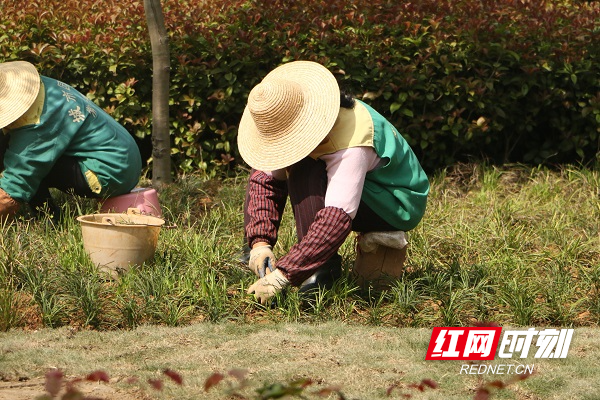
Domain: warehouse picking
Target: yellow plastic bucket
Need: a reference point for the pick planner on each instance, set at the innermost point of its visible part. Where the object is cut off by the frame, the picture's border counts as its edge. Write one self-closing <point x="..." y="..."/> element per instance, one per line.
<point x="115" y="242"/>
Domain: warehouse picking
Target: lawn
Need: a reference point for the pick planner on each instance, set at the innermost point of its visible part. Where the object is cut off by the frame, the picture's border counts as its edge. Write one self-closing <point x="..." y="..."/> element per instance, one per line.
<point x="362" y="362"/>
<point x="517" y="246"/>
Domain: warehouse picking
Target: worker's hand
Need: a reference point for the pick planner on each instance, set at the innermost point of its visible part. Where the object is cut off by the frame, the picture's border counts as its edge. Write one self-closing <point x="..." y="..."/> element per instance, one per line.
<point x="265" y="288"/>
<point x="258" y="260"/>
<point x="8" y="206"/>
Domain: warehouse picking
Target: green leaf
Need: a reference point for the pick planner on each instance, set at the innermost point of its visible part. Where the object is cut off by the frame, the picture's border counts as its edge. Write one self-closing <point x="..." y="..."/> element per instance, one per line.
<point x="407" y="112"/>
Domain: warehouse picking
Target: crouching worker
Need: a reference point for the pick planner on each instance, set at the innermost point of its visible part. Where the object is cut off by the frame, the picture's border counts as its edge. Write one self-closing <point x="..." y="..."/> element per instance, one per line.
<point x="343" y="165"/>
<point x="58" y="139"/>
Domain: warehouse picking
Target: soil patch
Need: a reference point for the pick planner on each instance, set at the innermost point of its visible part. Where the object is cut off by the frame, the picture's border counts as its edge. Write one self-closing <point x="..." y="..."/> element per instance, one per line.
<point x="28" y="389"/>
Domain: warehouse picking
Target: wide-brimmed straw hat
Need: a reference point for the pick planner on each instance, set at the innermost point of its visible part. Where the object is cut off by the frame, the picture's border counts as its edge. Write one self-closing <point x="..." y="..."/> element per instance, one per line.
<point x="19" y="87"/>
<point x="288" y="114"/>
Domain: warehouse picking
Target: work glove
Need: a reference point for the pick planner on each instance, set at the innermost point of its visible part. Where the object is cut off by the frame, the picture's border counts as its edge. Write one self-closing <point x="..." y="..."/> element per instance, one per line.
<point x="262" y="260"/>
<point x="8" y="206"/>
<point x="265" y="288"/>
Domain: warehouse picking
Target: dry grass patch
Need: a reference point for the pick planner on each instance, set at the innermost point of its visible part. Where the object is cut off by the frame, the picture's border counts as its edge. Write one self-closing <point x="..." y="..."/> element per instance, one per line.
<point x="362" y="362"/>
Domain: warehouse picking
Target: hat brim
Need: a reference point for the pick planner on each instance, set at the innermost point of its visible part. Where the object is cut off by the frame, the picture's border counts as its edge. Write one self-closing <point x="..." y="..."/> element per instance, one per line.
<point x="317" y="116"/>
<point x="19" y="87"/>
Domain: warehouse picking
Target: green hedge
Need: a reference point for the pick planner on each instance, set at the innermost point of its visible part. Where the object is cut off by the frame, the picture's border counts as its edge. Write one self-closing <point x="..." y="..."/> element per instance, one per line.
<point x="506" y="81"/>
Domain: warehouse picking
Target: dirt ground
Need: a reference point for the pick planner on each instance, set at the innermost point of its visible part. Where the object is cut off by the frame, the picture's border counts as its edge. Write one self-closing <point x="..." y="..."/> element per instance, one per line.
<point x="30" y="389"/>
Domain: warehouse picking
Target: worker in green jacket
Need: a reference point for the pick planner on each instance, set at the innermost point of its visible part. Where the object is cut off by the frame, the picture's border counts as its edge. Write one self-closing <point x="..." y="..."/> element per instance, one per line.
<point x="58" y="139"/>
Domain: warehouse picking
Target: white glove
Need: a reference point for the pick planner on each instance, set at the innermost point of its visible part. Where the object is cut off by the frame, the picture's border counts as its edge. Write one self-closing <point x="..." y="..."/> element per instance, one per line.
<point x="267" y="287"/>
<point x="258" y="260"/>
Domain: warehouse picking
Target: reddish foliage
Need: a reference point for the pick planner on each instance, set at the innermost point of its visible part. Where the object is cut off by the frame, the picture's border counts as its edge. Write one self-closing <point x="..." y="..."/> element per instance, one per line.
<point x="98" y="376"/>
<point x="482" y="394"/>
<point x="213" y="380"/>
<point x="425" y="383"/>
<point x="175" y="377"/>
<point x="328" y="391"/>
<point x="436" y="67"/>
<point x="132" y="379"/>
<point x="484" y="391"/>
<point x="430" y="383"/>
<point x="54" y="380"/>
<point x="496" y="384"/>
<point x="157" y="384"/>
<point x="523" y="376"/>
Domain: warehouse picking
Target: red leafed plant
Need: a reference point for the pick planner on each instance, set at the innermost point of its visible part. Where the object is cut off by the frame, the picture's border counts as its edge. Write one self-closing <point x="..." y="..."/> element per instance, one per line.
<point x="237" y="381"/>
<point x="510" y="80"/>
<point x="56" y="382"/>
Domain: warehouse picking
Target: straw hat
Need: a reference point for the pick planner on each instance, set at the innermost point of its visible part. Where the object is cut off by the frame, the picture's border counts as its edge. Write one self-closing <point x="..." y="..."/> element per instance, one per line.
<point x="19" y="87"/>
<point x="288" y="114"/>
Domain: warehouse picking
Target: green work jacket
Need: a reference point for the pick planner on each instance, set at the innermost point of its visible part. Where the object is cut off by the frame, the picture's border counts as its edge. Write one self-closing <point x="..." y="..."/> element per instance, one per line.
<point x="71" y="125"/>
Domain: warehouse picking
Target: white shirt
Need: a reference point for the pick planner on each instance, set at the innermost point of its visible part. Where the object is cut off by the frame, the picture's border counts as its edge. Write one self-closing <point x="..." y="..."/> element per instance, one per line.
<point x="346" y="171"/>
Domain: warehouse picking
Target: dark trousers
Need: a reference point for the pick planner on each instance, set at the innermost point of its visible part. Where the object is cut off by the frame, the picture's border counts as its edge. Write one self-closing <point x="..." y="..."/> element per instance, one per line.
<point x="307" y="184"/>
<point x="65" y="176"/>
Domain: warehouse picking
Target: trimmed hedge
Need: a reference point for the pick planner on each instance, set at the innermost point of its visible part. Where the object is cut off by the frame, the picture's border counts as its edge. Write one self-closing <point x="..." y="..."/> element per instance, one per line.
<point x="506" y="81"/>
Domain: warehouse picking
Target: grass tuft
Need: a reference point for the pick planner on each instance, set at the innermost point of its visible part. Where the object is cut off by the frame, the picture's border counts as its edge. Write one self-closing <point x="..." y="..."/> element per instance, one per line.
<point x="515" y="245"/>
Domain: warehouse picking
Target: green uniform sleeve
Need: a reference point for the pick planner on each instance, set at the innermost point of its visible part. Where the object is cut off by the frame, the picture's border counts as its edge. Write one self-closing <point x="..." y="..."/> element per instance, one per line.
<point x="31" y="154"/>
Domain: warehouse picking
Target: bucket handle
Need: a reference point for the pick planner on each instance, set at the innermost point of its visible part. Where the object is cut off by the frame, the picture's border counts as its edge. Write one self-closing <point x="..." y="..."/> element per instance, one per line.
<point x="109" y="220"/>
<point x="136" y="211"/>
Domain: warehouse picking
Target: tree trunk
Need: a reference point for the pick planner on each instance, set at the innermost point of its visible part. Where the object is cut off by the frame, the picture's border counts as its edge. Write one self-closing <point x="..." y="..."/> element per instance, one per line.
<point x="161" y="142"/>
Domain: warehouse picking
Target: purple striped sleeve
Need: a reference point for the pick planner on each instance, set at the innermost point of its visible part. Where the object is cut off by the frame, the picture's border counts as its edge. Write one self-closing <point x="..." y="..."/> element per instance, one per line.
<point x="324" y="237"/>
<point x="267" y="198"/>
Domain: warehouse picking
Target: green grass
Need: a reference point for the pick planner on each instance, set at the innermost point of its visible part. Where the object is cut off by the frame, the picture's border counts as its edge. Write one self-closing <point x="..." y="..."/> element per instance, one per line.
<point x="518" y="246"/>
